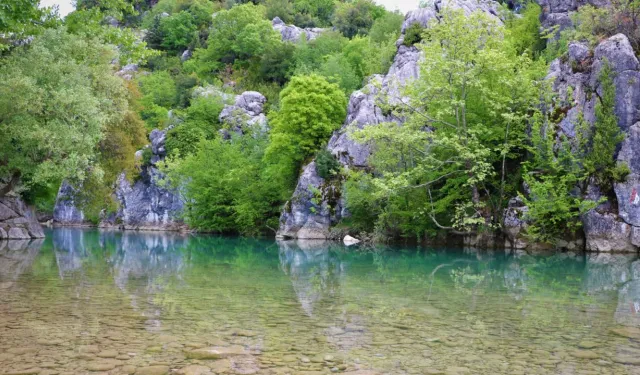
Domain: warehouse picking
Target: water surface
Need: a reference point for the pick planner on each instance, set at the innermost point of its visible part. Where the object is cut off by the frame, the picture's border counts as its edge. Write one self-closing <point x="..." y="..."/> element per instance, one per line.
<point x="84" y="301"/>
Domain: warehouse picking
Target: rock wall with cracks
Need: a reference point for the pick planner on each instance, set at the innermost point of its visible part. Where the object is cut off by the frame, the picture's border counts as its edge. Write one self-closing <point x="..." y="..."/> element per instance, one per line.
<point x="612" y="226"/>
<point x="317" y="204"/>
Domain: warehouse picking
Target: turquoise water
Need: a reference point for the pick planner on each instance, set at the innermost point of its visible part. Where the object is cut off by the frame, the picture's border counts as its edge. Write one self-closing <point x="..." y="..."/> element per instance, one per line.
<point x="84" y="301"/>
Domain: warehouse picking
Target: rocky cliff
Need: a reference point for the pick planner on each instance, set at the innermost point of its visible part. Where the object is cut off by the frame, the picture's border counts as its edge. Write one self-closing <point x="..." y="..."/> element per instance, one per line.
<point x="146" y="204"/>
<point x="613" y="226"/>
<point x="17" y="221"/>
<point x="317" y="204"/>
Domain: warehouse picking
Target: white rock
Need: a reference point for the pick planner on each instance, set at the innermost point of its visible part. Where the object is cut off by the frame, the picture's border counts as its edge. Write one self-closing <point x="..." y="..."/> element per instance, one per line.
<point x="349" y="241"/>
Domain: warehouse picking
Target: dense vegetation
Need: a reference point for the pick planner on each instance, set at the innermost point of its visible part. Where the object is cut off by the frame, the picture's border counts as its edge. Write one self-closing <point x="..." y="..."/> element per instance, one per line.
<point x="480" y="126"/>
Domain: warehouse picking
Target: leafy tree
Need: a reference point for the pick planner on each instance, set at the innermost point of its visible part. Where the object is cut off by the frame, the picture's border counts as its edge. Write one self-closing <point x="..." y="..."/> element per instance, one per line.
<point x="310" y="109"/>
<point x="201" y="122"/>
<point x="327" y="165"/>
<point x="280" y="8"/>
<point x="178" y="31"/>
<point x="446" y="168"/>
<point x="356" y="18"/>
<point x="386" y="28"/>
<point x="58" y="94"/>
<point x="239" y="34"/>
<point x="601" y="141"/>
<point x="413" y="34"/>
<point x="312" y="13"/>
<point x="159" y="95"/>
<point x="524" y="32"/>
<point x="277" y="64"/>
<point x="20" y="19"/>
<point x="225" y="187"/>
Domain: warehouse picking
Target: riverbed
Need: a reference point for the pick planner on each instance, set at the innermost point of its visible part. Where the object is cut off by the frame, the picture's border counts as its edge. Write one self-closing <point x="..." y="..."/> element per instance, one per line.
<point x="85" y="301"/>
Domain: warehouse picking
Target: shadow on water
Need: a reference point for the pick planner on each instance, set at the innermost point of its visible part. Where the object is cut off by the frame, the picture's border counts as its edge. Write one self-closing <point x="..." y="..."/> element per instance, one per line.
<point x="312" y="306"/>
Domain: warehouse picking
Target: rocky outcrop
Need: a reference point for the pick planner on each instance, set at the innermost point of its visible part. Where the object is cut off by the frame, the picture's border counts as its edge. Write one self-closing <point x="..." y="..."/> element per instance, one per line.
<point x="246" y="112"/>
<point x="67" y="211"/>
<point x="292" y="33"/>
<point x="17" y="221"/>
<point x="612" y="226"/>
<point x="557" y="13"/>
<point x="317" y="203"/>
<point x="146" y="204"/>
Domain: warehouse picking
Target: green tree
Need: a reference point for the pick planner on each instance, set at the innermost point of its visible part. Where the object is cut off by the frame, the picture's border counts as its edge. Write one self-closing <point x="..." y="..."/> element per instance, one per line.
<point x="20" y="19"/>
<point x="280" y="8"/>
<point x="446" y="168"/>
<point x="524" y="32"/>
<point x="178" y="31"/>
<point x="201" y="122"/>
<point x="159" y="96"/>
<point x="356" y="18"/>
<point x="58" y="94"/>
<point x="310" y="110"/>
<point x="605" y="136"/>
<point x="238" y="35"/>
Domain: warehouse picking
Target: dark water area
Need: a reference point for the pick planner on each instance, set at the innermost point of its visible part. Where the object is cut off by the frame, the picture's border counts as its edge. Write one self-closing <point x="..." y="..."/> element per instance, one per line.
<point x="85" y="301"/>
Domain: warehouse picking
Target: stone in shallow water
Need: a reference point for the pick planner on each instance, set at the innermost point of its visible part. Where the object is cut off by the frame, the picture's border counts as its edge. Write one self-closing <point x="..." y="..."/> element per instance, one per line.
<point x="153" y="370"/>
<point x="627" y="360"/>
<point x="629" y="332"/>
<point x="585" y="354"/>
<point x="108" y="353"/>
<point x="587" y="344"/>
<point x="102" y="365"/>
<point x="216" y="352"/>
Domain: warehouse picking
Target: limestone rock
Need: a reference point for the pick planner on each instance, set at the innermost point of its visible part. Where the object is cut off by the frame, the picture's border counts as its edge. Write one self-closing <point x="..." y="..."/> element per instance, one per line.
<point x="216" y="352"/>
<point x="246" y="112"/>
<point x="349" y="241"/>
<point x="605" y="232"/>
<point x="66" y="210"/>
<point x="292" y="33"/>
<point x="317" y="204"/>
<point x="17" y="221"/>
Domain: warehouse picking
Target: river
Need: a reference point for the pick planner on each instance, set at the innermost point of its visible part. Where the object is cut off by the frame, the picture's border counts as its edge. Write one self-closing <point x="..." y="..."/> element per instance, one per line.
<point x="84" y="301"/>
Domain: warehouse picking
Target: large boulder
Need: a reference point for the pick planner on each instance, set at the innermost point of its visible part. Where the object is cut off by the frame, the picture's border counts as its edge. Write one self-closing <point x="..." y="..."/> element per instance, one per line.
<point x="17" y="221"/>
<point x="557" y="13"/>
<point x="66" y="210"/>
<point x="292" y="33"/>
<point x="317" y="204"/>
<point x="246" y="112"/>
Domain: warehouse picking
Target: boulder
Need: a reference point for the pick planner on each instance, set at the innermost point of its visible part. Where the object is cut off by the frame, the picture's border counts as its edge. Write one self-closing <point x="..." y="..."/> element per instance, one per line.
<point x="245" y="114"/>
<point x="350" y="241"/>
<point x="66" y="210"/>
<point x="17" y="221"/>
<point x="292" y="33"/>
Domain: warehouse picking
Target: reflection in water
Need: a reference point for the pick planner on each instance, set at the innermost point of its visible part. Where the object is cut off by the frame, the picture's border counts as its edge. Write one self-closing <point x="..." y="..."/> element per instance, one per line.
<point x="84" y="300"/>
<point x="314" y="270"/>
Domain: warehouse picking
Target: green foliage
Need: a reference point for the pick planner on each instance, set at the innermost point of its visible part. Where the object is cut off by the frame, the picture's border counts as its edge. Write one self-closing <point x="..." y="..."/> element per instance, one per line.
<point x="201" y="122"/>
<point x="413" y="34"/>
<point x="159" y="95"/>
<point x="88" y="23"/>
<point x="552" y="176"/>
<point x="524" y="31"/>
<point x="310" y="110"/>
<point x="20" y="19"/>
<point x="280" y="8"/>
<point x="178" y="31"/>
<point x="277" y="63"/>
<point x="357" y="17"/>
<point x="386" y="27"/>
<point x="446" y="166"/>
<point x="594" y="24"/>
<point x="238" y="35"/>
<point x="327" y="165"/>
<point x="57" y="96"/>
<point x="602" y="140"/>
<point x="225" y="186"/>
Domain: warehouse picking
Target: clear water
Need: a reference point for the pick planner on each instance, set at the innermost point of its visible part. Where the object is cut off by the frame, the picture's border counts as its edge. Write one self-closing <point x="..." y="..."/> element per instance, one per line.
<point x="84" y="301"/>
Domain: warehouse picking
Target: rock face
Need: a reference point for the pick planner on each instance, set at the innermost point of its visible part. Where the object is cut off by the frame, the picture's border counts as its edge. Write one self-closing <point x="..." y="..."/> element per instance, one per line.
<point x="247" y="111"/>
<point x="316" y="203"/>
<point x="66" y="211"/>
<point x="607" y="228"/>
<point x="145" y="204"/>
<point x="558" y="12"/>
<point x="292" y="33"/>
<point x="17" y="221"/>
